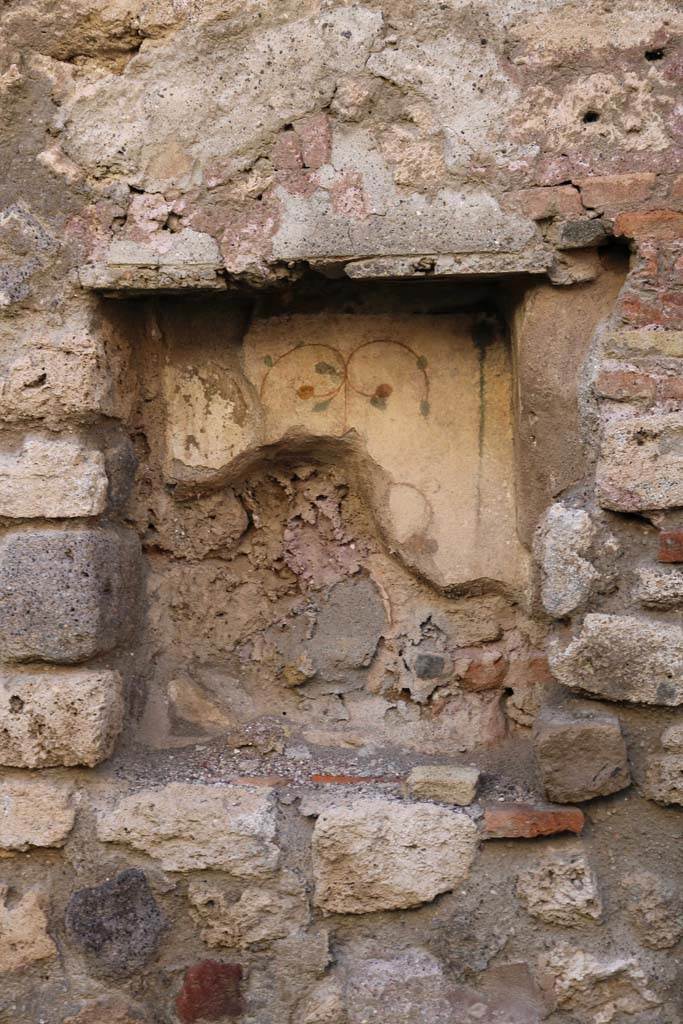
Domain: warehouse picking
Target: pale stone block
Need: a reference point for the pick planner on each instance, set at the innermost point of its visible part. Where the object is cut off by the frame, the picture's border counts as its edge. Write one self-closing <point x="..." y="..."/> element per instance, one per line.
<point x="659" y="588"/>
<point x="52" y="478"/>
<point x="564" y="542"/>
<point x="447" y="784"/>
<point x="664" y="779"/>
<point x="59" y="717"/>
<point x="622" y="658"/>
<point x="192" y="826"/>
<point x="23" y="932"/>
<point x="604" y="989"/>
<point x="261" y="914"/>
<point x="34" y="813"/>
<point x="378" y="854"/>
<point x="641" y="463"/>
<point x="561" y="890"/>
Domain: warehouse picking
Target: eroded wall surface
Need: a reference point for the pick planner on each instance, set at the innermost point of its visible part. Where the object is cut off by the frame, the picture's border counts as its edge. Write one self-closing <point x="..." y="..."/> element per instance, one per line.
<point x="341" y="530"/>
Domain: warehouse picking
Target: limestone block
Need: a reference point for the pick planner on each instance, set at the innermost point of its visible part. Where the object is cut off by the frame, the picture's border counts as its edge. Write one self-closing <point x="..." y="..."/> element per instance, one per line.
<point x="605" y="989"/>
<point x="261" y="914"/>
<point x="118" y="922"/>
<point x="52" y="479"/>
<point x="447" y="784"/>
<point x="645" y="342"/>
<point x="67" y="595"/>
<point x="641" y="463"/>
<point x="659" y="588"/>
<point x="189" y="827"/>
<point x="561" y="889"/>
<point x="325" y="1004"/>
<point x="580" y="755"/>
<point x="664" y="779"/>
<point x="59" y="717"/>
<point x="23" y="932"/>
<point x="655" y="906"/>
<point x="34" y="813"/>
<point x="564" y="541"/>
<point x="378" y="854"/>
<point x="622" y="658"/>
<point x="672" y="738"/>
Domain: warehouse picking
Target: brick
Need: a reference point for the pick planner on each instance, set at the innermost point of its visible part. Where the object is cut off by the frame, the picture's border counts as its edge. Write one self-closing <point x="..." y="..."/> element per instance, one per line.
<point x="23" y="932"/>
<point x="619" y="657"/>
<point x="52" y="478"/>
<point x="211" y="990"/>
<point x="615" y="191"/>
<point x="34" y="812"/>
<point x="67" y="595"/>
<point x="379" y="854"/>
<point x="546" y="202"/>
<point x="640" y="466"/>
<point x="662" y="225"/>
<point x="527" y="821"/>
<point x="581" y="755"/>
<point x="59" y="718"/>
<point x="192" y="826"/>
<point x="446" y="784"/>
<point x="118" y="923"/>
<point x="625" y="385"/>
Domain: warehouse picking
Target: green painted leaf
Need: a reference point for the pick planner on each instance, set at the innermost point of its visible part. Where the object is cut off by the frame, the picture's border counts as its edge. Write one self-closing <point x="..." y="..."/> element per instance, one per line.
<point x="425" y="407"/>
<point x="422" y="362"/>
<point x="321" y="406"/>
<point x="327" y="369"/>
<point x="268" y="360"/>
<point x="378" y="402"/>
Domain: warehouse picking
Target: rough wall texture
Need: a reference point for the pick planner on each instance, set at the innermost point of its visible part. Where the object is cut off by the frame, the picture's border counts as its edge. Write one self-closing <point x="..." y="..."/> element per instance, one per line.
<point x="341" y="512"/>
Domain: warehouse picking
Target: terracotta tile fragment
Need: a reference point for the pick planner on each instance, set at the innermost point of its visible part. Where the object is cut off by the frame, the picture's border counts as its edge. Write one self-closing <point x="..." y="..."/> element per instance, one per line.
<point x="211" y="991"/>
<point x="527" y="821"/>
<point x="670" y="546"/>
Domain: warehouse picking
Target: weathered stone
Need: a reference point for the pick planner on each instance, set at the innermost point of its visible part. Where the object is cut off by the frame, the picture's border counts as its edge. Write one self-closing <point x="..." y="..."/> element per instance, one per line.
<point x="625" y="659"/>
<point x="382" y="855"/>
<point x="604" y="989"/>
<point x="349" y="625"/>
<point x="325" y="1004"/>
<point x="561" y="890"/>
<point x="23" y="932"/>
<point x="118" y="922"/>
<point x="447" y="784"/>
<point x="656" y="908"/>
<point x="659" y="588"/>
<point x="52" y="479"/>
<point x="59" y="718"/>
<point x="169" y="261"/>
<point x="527" y="821"/>
<point x="261" y="913"/>
<point x="672" y="737"/>
<point x="577" y="234"/>
<point x="664" y="779"/>
<point x="34" y="813"/>
<point x="189" y="827"/>
<point x="641" y="463"/>
<point x="211" y="990"/>
<point x="564" y="541"/>
<point x="581" y="755"/>
<point x="86" y="598"/>
<point x="110" y="1009"/>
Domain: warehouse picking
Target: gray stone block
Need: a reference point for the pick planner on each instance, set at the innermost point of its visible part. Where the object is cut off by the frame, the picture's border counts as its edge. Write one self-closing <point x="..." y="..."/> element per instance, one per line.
<point x="580" y="754"/>
<point x="67" y="595"/>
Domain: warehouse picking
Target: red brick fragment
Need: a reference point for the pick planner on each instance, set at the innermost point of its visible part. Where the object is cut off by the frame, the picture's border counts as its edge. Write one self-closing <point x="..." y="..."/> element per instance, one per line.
<point x="526" y="821"/>
<point x="615" y="191"/>
<point x="211" y="991"/>
<point x="545" y="202"/>
<point x="670" y="546"/>
<point x="625" y="385"/>
<point x="486" y="669"/>
<point x="316" y="140"/>
<point x="664" y="225"/>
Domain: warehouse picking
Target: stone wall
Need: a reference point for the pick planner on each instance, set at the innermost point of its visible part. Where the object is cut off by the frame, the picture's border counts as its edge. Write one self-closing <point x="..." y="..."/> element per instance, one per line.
<point x="341" y="512"/>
